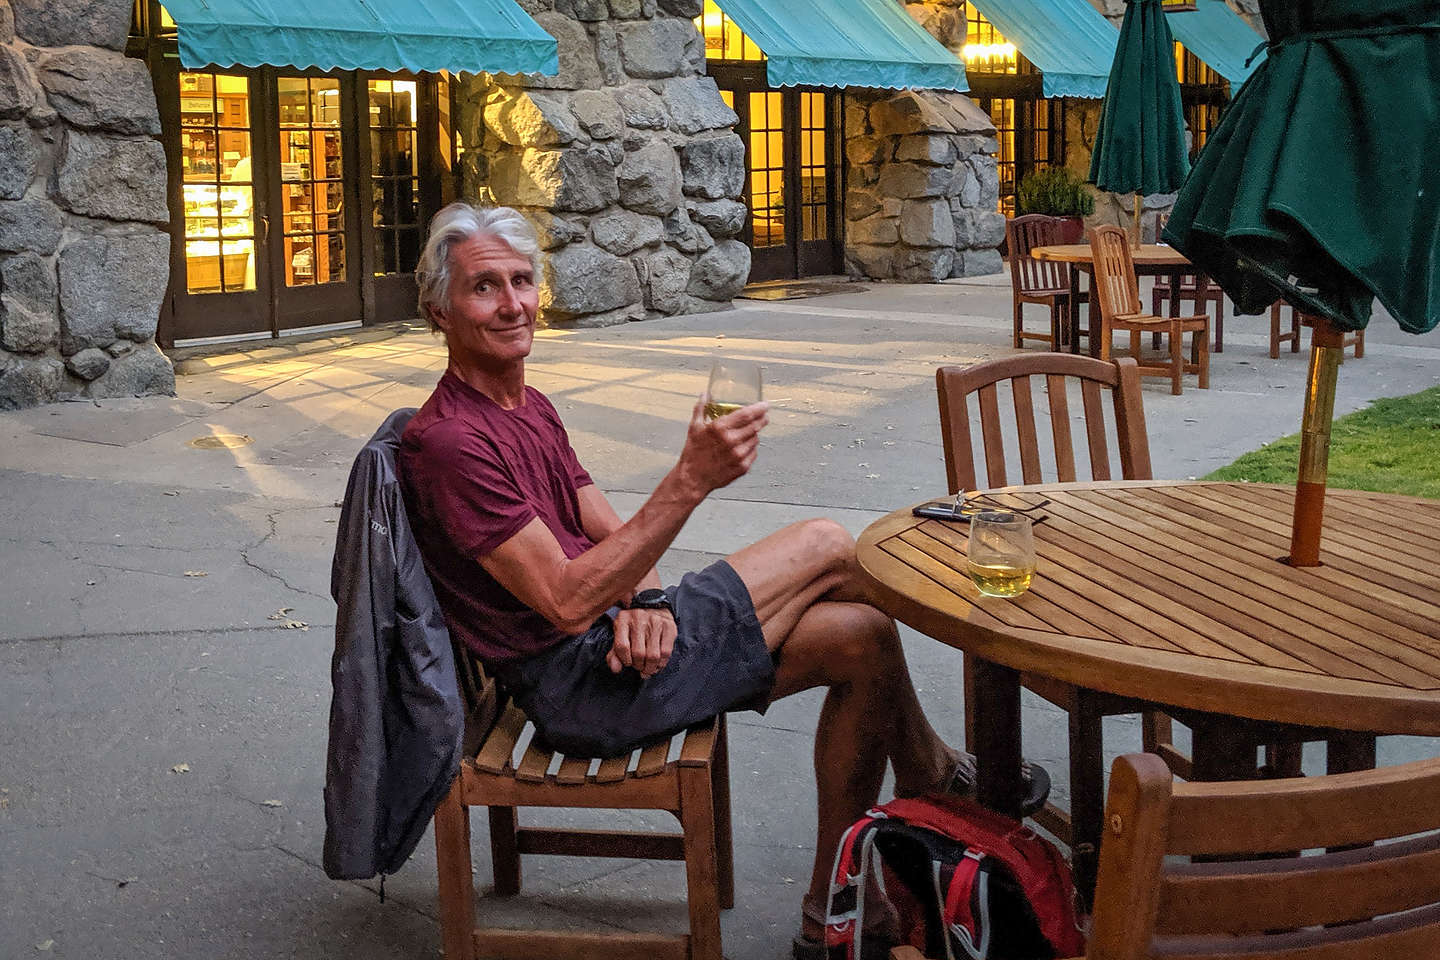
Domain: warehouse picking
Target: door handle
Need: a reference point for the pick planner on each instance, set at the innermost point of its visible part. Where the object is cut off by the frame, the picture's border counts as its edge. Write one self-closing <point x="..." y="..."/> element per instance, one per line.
<point x="264" y="229"/>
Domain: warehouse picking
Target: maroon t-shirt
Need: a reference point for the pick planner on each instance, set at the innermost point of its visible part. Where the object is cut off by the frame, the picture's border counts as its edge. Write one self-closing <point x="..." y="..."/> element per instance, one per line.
<point x="474" y="474"/>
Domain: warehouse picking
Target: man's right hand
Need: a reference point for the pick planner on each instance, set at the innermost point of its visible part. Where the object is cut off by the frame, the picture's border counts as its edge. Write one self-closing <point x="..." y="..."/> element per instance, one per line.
<point x="718" y="452"/>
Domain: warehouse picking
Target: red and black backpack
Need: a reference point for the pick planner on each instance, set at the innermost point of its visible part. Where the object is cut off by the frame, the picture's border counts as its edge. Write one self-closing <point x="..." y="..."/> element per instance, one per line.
<point x="965" y="883"/>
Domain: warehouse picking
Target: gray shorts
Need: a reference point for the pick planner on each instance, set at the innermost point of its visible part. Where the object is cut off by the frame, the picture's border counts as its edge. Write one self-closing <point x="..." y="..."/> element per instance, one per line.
<point x="720" y="663"/>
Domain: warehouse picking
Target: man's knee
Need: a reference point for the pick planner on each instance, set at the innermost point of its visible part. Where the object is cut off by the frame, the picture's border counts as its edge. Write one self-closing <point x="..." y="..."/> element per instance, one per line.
<point x="826" y="538"/>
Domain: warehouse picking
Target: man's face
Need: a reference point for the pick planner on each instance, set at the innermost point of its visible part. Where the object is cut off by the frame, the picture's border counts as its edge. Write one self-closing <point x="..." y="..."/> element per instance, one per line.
<point x="490" y="319"/>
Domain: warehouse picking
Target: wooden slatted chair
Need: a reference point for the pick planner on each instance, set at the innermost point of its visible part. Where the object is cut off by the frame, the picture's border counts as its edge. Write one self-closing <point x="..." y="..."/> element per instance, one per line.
<point x="1190" y="288"/>
<point x="1250" y="898"/>
<point x="1120" y="379"/>
<point x="1038" y="281"/>
<point x="1117" y="290"/>
<point x="1292" y="336"/>
<point x="1359" y="902"/>
<point x="695" y="787"/>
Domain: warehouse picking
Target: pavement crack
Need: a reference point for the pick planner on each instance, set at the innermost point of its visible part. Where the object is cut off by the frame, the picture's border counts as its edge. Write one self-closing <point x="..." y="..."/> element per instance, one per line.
<point x="272" y="519"/>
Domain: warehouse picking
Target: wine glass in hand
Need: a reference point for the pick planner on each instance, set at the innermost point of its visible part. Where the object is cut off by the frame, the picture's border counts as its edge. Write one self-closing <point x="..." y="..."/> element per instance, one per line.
<point x="733" y="384"/>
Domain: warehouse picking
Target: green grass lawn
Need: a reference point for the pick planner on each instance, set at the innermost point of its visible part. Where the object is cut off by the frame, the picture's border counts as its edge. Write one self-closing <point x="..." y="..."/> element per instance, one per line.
<point x="1393" y="446"/>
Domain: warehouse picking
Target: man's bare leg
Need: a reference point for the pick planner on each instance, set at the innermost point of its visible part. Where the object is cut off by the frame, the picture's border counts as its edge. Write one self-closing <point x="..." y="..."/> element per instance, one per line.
<point x="808" y="598"/>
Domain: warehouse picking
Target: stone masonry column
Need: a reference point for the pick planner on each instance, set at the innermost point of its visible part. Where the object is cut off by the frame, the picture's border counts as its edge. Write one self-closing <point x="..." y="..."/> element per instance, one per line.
<point x="920" y="202"/>
<point x="84" y="258"/>
<point x="626" y="161"/>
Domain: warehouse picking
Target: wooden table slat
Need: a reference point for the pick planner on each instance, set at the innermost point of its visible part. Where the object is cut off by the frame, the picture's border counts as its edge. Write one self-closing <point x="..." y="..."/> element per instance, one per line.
<point x="1379" y="617"/>
<point x="1277" y="642"/>
<point x="1323" y="647"/>
<point x="1293" y="601"/>
<point x="1357" y="540"/>
<point x="1401" y="590"/>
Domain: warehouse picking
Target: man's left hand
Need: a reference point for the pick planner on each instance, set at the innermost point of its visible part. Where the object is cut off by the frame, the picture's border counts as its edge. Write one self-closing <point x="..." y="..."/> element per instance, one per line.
<point x="643" y="640"/>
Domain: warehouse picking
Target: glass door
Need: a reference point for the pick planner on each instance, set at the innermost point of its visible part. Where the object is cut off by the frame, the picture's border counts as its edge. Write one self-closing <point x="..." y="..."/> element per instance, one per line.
<point x="312" y="240"/>
<point x="219" y="284"/>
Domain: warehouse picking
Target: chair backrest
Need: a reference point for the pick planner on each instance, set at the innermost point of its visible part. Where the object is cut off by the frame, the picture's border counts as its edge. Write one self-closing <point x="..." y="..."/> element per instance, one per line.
<point x="1028" y="275"/>
<point x="1323" y="905"/>
<point x="1121" y="378"/>
<point x="1117" y="288"/>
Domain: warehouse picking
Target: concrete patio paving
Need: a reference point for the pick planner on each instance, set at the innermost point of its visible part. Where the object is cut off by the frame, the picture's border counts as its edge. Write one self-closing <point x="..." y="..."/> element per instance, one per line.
<point x="166" y="626"/>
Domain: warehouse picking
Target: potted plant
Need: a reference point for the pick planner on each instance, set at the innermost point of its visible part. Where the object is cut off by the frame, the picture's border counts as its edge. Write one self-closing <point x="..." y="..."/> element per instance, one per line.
<point x="1057" y="192"/>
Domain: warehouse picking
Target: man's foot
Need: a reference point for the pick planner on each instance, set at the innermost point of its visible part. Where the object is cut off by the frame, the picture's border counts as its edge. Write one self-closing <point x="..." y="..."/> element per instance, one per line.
<point x="1036" y="780"/>
<point x="881" y="929"/>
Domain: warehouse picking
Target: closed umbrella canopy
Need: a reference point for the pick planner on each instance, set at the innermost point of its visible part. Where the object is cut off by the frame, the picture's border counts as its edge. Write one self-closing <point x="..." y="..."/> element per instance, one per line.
<point x="1140" y="146"/>
<point x="1321" y="185"/>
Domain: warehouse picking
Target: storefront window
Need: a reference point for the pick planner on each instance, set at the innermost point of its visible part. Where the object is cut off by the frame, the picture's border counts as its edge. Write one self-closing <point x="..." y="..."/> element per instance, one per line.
<point x="312" y="188"/>
<point x="767" y="169"/>
<point x="394" y="180"/>
<point x="723" y="38"/>
<point x="1190" y="70"/>
<point x="986" y="51"/>
<point x="218" y="183"/>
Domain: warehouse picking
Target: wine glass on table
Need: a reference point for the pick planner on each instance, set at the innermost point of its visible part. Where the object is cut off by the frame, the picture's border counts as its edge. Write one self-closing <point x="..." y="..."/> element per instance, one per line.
<point x="733" y="384"/>
<point x="1000" y="558"/>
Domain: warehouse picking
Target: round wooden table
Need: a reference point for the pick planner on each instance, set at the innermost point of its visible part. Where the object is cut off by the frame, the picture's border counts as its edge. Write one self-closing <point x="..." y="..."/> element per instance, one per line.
<point x="1173" y="595"/>
<point x="1150" y="259"/>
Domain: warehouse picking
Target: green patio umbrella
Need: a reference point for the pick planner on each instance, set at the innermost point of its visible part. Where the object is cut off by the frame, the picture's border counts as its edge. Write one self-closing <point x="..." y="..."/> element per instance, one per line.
<point x="1140" y="145"/>
<point x="1321" y="187"/>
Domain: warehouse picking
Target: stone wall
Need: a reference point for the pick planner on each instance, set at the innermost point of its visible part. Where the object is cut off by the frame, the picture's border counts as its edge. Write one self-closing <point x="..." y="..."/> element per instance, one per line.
<point x="920" y="202"/>
<point x="626" y="161"/>
<point x="83" y="258"/>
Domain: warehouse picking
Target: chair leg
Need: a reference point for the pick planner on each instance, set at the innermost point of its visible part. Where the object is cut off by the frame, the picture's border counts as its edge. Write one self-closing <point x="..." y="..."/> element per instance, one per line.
<point x="1177" y="357"/>
<point x="504" y="851"/>
<point x="697" y="818"/>
<point x="1019" y="320"/>
<point x="457" y="889"/>
<point x="1135" y="345"/>
<point x="724" y="839"/>
<point x="1359" y="344"/>
<point x="1220" y="324"/>
<point x="1203" y="336"/>
<point x="1274" y="331"/>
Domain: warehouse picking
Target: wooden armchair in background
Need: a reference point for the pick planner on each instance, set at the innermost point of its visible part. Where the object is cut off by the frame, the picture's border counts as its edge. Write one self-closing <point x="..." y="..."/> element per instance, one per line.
<point x="1038" y="281"/>
<point x="1292" y="336"/>
<point x="1120" y="380"/>
<point x="1117" y="291"/>
<point x="695" y="787"/>
<point x="1190" y="289"/>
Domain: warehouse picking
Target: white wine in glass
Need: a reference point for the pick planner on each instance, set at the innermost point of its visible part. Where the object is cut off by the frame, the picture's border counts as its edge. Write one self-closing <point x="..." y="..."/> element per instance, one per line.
<point x="1000" y="558"/>
<point x="733" y="384"/>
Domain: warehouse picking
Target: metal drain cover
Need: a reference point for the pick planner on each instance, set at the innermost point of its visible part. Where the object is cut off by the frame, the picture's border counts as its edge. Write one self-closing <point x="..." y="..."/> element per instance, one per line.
<point x="221" y="441"/>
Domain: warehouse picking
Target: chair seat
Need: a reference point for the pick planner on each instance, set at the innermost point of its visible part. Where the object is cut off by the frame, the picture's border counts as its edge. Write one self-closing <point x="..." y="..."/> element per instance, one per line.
<point x="1151" y="320"/>
<point x="685" y="775"/>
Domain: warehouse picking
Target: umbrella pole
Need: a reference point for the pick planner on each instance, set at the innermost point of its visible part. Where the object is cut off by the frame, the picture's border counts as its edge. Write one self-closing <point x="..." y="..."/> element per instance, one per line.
<point x="1325" y="352"/>
<point x="1135" y="245"/>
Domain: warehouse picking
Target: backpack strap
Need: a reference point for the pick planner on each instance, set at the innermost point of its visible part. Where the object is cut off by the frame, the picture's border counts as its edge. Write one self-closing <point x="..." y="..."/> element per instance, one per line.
<point x="845" y="906"/>
<point x="966" y="904"/>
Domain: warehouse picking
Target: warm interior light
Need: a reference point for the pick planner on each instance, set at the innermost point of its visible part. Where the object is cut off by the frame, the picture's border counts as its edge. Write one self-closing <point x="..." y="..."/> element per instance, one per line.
<point x="989" y="51"/>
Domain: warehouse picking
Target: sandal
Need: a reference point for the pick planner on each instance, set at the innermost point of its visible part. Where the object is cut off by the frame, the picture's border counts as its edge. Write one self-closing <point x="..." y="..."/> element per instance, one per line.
<point x="962" y="783"/>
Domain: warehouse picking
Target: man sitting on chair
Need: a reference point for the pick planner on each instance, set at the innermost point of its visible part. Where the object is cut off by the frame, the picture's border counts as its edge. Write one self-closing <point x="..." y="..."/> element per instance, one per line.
<point x="560" y="599"/>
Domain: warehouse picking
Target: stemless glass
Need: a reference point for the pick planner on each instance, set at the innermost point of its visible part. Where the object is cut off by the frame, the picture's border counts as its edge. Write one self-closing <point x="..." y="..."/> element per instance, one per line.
<point x="733" y="384"/>
<point x="1001" y="556"/>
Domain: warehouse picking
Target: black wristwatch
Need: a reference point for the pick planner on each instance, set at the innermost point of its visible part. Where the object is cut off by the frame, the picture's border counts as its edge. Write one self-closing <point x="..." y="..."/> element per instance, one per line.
<point x="652" y="599"/>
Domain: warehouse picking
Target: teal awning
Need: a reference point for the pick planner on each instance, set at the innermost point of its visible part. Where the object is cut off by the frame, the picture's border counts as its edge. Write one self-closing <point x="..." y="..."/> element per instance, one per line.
<point x="416" y="35"/>
<point x="1069" y="42"/>
<point x="1220" y="37"/>
<point x="845" y="43"/>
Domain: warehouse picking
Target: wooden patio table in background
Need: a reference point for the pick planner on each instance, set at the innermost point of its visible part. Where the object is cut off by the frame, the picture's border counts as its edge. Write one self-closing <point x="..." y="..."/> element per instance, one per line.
<point x="1151" y="260"/>
<point x="1173" y="594"/>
